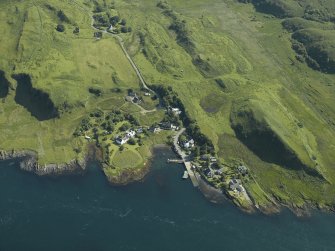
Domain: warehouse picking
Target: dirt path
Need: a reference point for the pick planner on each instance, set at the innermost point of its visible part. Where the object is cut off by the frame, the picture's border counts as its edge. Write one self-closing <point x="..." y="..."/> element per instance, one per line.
<point x="143" y="110"/>
<point x="120" y="41"/>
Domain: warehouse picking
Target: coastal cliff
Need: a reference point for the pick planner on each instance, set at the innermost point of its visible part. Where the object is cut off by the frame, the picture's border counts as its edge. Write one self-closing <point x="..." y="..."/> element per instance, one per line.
<point x="29" y="162"/>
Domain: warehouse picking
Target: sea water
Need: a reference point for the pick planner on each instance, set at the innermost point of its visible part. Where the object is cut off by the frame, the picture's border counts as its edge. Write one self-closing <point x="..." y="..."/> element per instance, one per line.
<point x="163" y="212"/>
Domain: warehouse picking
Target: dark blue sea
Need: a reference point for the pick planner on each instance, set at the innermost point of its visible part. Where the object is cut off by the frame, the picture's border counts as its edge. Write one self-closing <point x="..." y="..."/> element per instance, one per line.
<point x="85" y="213"/>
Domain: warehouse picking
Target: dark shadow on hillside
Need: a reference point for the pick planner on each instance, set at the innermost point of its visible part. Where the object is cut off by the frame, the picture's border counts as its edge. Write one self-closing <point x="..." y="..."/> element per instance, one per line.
<point x="37" y="102"/>
<point x="4" y="85"/>
<point x="264" y="143"/>
<point x="271" y="7"/>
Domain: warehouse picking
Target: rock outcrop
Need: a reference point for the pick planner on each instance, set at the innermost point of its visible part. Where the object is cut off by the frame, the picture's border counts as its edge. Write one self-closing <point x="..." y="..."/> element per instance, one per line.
<point x="29" y="162"/>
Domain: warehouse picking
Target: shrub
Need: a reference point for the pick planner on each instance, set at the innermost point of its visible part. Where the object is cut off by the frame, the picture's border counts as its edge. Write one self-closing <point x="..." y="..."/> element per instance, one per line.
<point x="62" y="17"/>
<point x="124" y="29"/>
<point x="60" y="28"/>
<point x="124" y="127"/>
<point x="97" y="92"/>
<point x="76" y="30"/>
<point x="131" y="141"/>
<point x="123" y="21"/>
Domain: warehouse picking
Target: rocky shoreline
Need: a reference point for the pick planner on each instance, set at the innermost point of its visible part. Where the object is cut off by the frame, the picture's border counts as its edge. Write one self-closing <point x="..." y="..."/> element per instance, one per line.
<point x="29" y="162"/>
<point x="128" y="176"/>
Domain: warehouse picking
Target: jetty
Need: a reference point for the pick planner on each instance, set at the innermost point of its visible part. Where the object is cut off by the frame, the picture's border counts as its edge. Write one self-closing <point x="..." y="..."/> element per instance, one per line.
<point x="178" y="161"/>
<point x="184" y="159"/>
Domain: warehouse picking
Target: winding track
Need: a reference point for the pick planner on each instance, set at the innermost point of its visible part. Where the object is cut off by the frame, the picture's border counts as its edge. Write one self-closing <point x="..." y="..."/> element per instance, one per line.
<point x="120" y="41"/>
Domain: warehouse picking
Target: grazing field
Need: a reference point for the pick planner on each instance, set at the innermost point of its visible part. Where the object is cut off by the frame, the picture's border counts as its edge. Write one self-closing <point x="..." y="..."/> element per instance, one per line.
<point x="257" y="76"/>
<point x="127" y="159"/>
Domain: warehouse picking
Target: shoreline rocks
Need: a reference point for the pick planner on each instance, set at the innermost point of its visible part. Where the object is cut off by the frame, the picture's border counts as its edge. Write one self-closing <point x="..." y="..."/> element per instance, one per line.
<point x="29" y="162"/>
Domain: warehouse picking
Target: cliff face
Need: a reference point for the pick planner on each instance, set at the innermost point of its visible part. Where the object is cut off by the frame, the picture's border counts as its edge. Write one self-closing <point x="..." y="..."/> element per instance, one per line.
<point x="29" y="162"/>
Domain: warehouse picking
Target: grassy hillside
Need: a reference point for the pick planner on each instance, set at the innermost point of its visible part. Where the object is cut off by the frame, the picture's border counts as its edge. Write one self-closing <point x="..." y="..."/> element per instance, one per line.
<point x="232" y="66"/>
<point x="234" y="69"/>
<point x="312" y="23"/>
<point x="47" y="77"/>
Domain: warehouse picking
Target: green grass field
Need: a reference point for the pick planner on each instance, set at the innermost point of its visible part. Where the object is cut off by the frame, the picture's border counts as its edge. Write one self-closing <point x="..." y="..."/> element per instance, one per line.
<point x="64" y="65"/>
<point x="233" y="68"/>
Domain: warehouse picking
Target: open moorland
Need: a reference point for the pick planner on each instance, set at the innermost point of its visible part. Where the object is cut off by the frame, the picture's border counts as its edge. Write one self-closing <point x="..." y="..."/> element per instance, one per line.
<point x="256" y="78"/>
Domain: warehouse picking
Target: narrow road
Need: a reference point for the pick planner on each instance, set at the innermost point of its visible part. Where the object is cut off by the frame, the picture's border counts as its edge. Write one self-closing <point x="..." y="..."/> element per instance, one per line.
<point x="176" y="145"/>
<point x="120" y="40"/>
<point x="187" y="163"/>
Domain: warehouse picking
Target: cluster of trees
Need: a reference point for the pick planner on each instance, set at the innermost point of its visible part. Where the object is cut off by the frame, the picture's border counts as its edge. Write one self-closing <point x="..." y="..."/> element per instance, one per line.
<point x="97" y="114"/>
<point x="171" y="99"/>
<point x="105" y="19"/>
<point x="172" y="118"/>
<point x="106" y="122"/>
<point x="168" y="96"/>
<point x="62" y="19"/>
<point x="115" y="116"/>
<point x="315" y="48"/>
<point x="85" y="125"/>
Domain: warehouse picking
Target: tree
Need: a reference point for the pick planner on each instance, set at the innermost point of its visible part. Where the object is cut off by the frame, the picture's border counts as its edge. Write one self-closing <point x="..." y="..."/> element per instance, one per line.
<point x="60" y="28"/>
<point x="124" y="29"/>
<point x="62" y="17"/>
<point x="98" y="8"/>
<point x="197" y="152"/>
<point x="123" y="21"/>
<point x="182" y="138"/>
<point x="114" y="20"/>
<point x="130" y="29"/>
<point x="98" y="34"/>
<point x="97" y="92"/>
<point x="124" y="127"/>
<point x="76" y="30"/>
<point x="121" y="148"/>
<point x="131" y="141"/>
